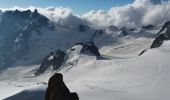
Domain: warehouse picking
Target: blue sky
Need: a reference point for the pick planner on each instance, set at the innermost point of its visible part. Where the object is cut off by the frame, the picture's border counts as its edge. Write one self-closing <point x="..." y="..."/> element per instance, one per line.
<point x="79" y="6"/>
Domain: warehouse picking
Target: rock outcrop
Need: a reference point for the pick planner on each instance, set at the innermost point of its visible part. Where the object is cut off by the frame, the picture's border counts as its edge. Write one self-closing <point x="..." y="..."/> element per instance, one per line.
<point x="83" y="28"/>
<point x="113" y="28"/>
<point x="89" y="47"/>
<point x="16" y="28"/>
<point x="157" y="42"/>
<point x="148" y="27"/>
<point x="123" y="32"/>
<point x="162" y="37"/>
<point x="57" y="90"/>
<point x="167" y="24"/>
<point x="167" y="33"/>
<point x="54" y="59"/>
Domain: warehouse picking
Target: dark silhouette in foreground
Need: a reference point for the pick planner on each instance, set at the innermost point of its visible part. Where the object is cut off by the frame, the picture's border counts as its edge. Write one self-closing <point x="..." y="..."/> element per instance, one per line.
<point x="57" y="90"/>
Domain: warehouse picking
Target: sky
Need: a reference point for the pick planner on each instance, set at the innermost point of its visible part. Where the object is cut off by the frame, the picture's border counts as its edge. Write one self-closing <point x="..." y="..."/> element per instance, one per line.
<point x="79" y="6"/>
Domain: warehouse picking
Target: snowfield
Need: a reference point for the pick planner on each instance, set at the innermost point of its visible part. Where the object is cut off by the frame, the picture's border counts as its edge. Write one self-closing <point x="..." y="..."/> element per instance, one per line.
<point x="139" y="78"/>
<point x="123" y="76"/>
<point x="28" y="36"/>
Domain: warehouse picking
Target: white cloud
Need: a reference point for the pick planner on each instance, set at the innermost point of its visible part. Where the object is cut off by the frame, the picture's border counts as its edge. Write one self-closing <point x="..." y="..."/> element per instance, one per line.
<point x="118" y="16"/>
<point x="141" y="12"/>
<point x="157" y="14"/>
<point x="60" y="15"/>
<point x="19" y="8"/>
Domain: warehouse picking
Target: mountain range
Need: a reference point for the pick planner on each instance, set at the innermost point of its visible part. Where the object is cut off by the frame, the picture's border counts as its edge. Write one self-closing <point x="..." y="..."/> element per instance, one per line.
<point x="97" y="63"/>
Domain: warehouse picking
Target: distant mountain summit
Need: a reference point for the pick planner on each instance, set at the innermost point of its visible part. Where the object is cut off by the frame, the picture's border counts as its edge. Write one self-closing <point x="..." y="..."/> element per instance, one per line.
<point x="123" y="32"/>
<point x="148" y="27"/>
<point x="27" y="37"/>
<point x="166" y="25"/>
<point x="16" y="27"/>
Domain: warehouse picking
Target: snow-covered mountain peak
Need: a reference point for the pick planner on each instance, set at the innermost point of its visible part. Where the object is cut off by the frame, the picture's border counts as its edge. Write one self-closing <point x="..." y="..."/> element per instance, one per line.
<point x="121" y="70"/>
<point x="16" y="27"/>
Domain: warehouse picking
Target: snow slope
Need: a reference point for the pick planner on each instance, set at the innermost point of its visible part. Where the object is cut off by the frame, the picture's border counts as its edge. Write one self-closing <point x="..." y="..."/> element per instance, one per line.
<point x="139" y="78"/>
<point x="120" y="75"/>
<point x="119" y="78"/>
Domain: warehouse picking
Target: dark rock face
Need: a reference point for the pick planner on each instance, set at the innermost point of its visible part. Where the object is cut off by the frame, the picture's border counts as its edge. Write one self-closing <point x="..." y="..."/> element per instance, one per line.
<point x="16" y="28"/>
<point x="142" y="52"/>
<point x="83" y="28"/>
<point x="54" y="59"/>
<point x="167" y="33"/>
<point x="132" y="29"/>
<point x="167" y="24"/>
<point x="123" y="32"/>
<point x="161" y="37"/>
<point x="148" y="27"/>
<point x="158" y="41"/>
<point x="89" y="47"/>
<point x="74" y="96"/>
<point x="57" y="90"/>
<point x="113" y="28"/>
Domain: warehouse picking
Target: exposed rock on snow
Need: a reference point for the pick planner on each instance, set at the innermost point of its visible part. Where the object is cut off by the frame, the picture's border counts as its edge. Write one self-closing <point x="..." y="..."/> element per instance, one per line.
<point x="167" y="24"/>
<point x="113" y="28"/>
<point x="148" y="27"/>
<point x="89" y="47"/>
<point x="158" y="41"/>
<point x="124" y="77"/>
<point x="167" y="33"/>
<point x="123" y="32"/>
<point x="161" y="37"/>
<point x="83" y="28"/>
<point x="54" y="59"/>
<point x="164" y="36"/>
<point x="16" y="28"/>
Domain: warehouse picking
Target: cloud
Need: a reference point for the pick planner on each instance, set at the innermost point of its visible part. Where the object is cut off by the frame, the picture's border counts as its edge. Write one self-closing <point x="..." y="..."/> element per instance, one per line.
<point x="118" y="16"/>
<point x="141" y="12"/>
<point x="160" y="14"/>
<point x="63" y="16"/>
<point x="137" y="14"/>
<point x="59" y="15"/>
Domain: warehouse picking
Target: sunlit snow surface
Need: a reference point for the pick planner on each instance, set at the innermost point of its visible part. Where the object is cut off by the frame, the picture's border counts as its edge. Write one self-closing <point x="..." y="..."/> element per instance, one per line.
<point x="122" y="75"/>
